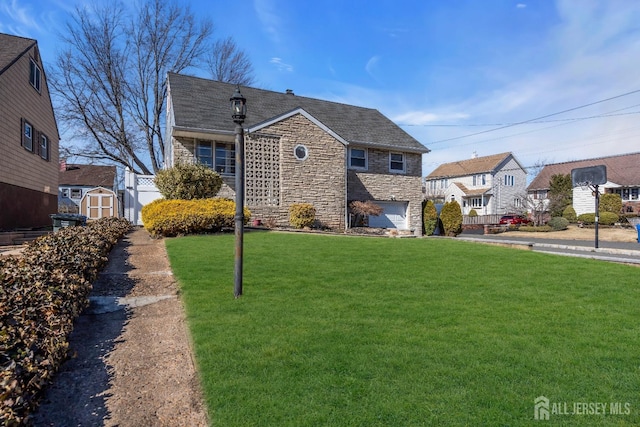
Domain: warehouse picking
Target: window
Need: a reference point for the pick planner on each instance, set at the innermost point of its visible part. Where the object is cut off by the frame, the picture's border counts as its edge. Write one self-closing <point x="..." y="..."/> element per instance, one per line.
<point x="222" y="160"/>
<point x="44" y="147"/>
<point x="76" y="193"/>
<point x="301" y="152"/>
<point x="204" y="153"/>
<point x="477" y="202"/>
<point x="480" y="179"/>
<point x="225" y="158"/>
<point x="396" y="162"/>
<point x="27" y="136"/>
<point x="34" y="75"/>
<point x="65" y="193"/>
<point x="509" y="180"/>
<point x="358" y="158"/>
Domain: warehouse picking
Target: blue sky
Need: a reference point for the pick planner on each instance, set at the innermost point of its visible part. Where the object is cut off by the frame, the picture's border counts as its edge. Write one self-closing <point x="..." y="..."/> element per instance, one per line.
<point x="459" y="76"/>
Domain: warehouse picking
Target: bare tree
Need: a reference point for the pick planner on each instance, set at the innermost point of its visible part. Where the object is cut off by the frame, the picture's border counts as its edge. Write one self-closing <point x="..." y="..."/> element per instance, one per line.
<point x="229" y="64"/>
<point x="111" y="79"/>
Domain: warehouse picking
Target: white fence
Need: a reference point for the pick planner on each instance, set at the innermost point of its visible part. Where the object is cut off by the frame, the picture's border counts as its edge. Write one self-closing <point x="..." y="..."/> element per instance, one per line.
<point x="139" y="190"/>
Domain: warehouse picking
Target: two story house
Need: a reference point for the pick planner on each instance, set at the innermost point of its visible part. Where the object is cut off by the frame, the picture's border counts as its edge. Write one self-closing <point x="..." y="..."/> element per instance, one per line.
<point x="28" y="138"/>
<point x="623" y="178"/>
<point x="298" y="150"/>
<point x="490" y="185"/>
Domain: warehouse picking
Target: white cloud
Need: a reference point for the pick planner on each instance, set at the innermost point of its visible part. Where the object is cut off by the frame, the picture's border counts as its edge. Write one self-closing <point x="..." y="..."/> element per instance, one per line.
<point x="418" y="118"/>
<point x="281" y="66"/>
<point x="21" y="15"/>
<point x="270" y="20"/>
<point x="521" y="6"/>
<point x="371" y="65"/>
<point x="591" y="55"/>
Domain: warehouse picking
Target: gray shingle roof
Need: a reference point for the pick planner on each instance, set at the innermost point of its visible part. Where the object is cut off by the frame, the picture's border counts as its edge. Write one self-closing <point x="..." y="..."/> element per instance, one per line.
<point x="622" y="169"/>
<point x="204" y="104"/>
<point x="11" y="48"/>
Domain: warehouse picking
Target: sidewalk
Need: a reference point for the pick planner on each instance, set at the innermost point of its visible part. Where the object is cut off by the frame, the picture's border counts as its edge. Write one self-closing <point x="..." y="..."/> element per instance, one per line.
<point x="133" y="362"/>
<point x="624" y="252"/>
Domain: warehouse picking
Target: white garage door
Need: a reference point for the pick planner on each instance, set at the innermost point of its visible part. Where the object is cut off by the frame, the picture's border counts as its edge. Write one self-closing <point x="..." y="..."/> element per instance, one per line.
<point x="393" y="216"/>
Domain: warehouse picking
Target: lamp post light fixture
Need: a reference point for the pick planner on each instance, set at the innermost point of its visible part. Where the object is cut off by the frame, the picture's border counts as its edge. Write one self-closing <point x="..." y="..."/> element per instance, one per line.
<point x="238" y="113"/>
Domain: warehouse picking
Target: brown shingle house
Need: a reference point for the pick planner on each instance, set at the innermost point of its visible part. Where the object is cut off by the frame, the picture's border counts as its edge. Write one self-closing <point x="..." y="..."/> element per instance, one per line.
<point x="28" y="137"/>
<point x="299" y="150"/>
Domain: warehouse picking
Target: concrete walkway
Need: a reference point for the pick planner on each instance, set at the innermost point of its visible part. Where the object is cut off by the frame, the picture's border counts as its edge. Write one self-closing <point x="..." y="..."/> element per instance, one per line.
<point x="132" y="362"/>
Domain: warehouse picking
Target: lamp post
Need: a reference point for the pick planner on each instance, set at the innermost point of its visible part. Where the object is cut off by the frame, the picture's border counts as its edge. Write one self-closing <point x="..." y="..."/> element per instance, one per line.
<point x="238" y="113"/>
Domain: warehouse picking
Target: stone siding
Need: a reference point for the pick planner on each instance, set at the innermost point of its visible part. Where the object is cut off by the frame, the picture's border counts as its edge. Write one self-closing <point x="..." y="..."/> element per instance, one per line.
<point x="319" y="179"/>
<point x="385" y="187"/>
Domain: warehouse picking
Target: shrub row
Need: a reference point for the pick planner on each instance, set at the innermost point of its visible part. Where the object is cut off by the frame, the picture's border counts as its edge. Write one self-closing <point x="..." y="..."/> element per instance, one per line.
<point x="41" y="293"/>
<point x="178" y="217"/>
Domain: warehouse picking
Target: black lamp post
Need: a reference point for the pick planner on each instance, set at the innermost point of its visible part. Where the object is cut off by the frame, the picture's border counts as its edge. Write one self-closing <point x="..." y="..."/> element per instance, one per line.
<point x="238" y="113"/>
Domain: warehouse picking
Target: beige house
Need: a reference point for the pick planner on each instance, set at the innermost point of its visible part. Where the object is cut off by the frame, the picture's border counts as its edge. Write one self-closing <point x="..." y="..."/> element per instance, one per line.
<point x="490" y="185"/>
<point x="298" y="150"/>
<point x="28" y="138"/>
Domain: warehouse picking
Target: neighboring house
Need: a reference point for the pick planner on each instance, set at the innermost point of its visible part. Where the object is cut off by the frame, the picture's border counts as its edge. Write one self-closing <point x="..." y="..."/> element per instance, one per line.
<point x="489" y="185"/>
<point x="28" y="138"/>
<point x="90" y="190"/>
<point x="623" y="178"/>
<point x="298" y="150"/>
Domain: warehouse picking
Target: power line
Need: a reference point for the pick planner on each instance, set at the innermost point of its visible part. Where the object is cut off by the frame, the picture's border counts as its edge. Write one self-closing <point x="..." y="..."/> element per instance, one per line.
<point x="529" y="122"/>
<point x="534" y="119"/>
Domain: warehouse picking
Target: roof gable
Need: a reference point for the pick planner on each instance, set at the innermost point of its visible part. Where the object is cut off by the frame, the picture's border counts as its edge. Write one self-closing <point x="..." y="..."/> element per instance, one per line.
<point x="13" y="47"/>
<point x="285" y="116"/>
<point x="486" y="164"/>
<point x="622" y="169"/>
<point x="199" y="103"/>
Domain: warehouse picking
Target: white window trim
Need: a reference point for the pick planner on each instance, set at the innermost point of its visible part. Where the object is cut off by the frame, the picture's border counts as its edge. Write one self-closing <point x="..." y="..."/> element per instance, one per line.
<point x="366" y="159"/>
<point x="306" y="152"/>
<point x="44" y="147"/>
<point x="28" y="147"/>
<point x="404" y="163"/>
<point x="37" y="84"/>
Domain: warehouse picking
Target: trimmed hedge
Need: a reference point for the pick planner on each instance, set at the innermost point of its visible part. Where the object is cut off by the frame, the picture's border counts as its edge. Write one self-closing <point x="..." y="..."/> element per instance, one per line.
<point x="451" y="216"/>
<point x="43" y="291"/>
<point x="302" y="215"/>
<point x="170" y="218"/>
<point x="605" y="218"/>
<point x="186" y="181"/>
<point x="429" y="217"/>
<point x="558" y="223"/>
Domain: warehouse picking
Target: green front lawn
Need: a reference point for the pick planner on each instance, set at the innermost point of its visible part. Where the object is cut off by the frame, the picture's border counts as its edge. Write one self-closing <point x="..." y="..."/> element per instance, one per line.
<point x="360" y="331"/>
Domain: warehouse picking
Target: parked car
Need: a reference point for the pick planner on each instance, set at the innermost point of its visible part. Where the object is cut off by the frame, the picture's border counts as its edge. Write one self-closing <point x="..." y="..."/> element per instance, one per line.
<point x="514" y="220"/>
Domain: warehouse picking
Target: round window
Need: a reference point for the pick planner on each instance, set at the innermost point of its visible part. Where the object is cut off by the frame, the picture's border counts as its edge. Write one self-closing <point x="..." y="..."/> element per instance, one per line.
<point x="301" y="152"/>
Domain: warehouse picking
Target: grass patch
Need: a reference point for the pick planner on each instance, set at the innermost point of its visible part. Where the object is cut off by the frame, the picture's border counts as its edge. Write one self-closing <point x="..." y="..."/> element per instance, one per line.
<point x="356" y="331"/>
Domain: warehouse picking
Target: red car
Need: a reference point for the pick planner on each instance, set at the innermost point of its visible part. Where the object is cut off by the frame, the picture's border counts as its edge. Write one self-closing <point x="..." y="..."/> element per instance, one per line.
<point x="514" y="220"/>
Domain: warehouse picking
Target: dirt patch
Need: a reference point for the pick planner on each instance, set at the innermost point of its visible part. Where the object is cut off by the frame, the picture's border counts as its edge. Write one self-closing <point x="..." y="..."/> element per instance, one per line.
<point x="132" y="361"/>
<point x="607" y="234"/>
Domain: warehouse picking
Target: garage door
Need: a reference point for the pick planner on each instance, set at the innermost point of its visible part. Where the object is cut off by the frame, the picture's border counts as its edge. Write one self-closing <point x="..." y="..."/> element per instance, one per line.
<point x="394" y="215"/>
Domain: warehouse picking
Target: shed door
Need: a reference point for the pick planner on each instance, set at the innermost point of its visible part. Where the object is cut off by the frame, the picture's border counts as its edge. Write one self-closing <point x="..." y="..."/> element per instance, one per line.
<point x="99" y="206"/>
<point x="394" y="215"/>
